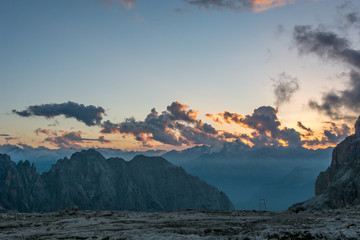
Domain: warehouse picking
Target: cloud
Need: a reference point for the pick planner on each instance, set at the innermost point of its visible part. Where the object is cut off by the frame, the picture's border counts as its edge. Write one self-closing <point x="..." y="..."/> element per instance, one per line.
<point x="90" y="115"/>
<point x="266" y="126"/>
<point x="284" y="88"/>
<point x="178" y="112"/>
<point x="349" y="12"/>
<point x="4" y="135"/>
<point x="176" y="126"/>
<point x="263" y="5"/>
<point x="309" y="130"/>
<point x="11" y="138"/>
<point x="237" y="5"/>
<point x="63" y="139"/>
<point x="343" y="104"/>
<point x="336" y="104"/>
<point x="327" y="45"/>
<point x="333" y="134"/>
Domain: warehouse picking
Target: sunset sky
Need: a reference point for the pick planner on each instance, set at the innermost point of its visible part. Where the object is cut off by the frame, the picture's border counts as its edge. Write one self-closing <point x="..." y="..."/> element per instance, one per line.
<point x="140" y="74"/>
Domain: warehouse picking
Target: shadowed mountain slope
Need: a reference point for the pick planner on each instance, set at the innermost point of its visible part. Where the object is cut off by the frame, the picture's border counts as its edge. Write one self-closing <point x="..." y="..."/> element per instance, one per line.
<point x="339" y="185"/>
<point x="90" y="181"/>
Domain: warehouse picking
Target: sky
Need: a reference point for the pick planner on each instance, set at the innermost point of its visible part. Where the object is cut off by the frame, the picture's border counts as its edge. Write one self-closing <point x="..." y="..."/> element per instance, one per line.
<point x="139" y="74"/>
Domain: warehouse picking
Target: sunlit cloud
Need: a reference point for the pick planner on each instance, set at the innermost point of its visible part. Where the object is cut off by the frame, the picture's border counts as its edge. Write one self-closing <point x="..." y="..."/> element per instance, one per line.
<point x="263" y="5"/>
<point x="241" y="5"/>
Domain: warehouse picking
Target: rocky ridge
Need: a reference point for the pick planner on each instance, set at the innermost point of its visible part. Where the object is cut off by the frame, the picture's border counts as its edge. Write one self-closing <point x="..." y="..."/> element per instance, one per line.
<point x="91" y="182"/>
<point x="339" y="185"/>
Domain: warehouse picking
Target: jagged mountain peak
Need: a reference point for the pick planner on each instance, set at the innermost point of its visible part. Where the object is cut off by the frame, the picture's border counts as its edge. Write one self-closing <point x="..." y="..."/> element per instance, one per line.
<point x="89" y="154"/>
<point x="90" y="181"/>
<point x="339" y="185"/>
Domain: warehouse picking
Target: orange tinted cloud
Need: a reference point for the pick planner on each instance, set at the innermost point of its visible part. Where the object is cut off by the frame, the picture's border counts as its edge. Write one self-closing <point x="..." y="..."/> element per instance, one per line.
<point x="263" y="5"/>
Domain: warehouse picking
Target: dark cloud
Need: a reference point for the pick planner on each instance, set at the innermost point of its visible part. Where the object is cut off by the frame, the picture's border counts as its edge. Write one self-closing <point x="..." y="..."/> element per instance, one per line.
<point x="327" y="45"/>
<point x="264" y="119"/>
<point x="267" y="125"/>
<point x="353" y="17"/>
<point x="309" y="130"/>
<point x="4" y="135"/>
<point x="90" y="115"/>
<point x="350" y="13"/>
<point x="11" y="138"/>
<point x="284" y="88"/>
<point x="344" y="104"/>
<point x="63" y="139"/>
<point x="335" y="103"/>
<point x="178" y="112"/>
<point x="229" y="117"/>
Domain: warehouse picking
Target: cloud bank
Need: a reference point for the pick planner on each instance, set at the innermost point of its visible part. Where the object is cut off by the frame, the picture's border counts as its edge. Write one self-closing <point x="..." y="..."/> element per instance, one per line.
<point x="176" y="126"/>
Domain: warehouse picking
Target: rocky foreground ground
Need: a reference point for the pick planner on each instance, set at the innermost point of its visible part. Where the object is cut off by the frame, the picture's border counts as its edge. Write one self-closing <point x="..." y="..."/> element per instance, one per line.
<point x="73" y="224"/>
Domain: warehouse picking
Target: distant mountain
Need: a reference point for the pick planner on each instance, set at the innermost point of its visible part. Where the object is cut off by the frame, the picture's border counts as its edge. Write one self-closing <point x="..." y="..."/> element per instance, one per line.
<point x="187" y="155"/>
<point x="339" y="185"/>
<point x="44" y="158"/>
<point x="90" y="181"/>
<point x="281" y="175"/>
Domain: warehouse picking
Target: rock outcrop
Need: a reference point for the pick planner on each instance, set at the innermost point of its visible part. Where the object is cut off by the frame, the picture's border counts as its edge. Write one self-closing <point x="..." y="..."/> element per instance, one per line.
<point x="339" y="185"/>
<point x="91" y="182"/>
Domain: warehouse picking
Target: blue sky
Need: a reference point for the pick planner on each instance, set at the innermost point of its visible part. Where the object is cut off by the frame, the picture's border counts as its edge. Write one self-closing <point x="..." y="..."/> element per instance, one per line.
<point x="130" y="60"/>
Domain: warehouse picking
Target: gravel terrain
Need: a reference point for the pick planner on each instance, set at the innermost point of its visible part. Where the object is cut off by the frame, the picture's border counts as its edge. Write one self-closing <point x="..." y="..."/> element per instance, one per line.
<point x="187" y="224"/>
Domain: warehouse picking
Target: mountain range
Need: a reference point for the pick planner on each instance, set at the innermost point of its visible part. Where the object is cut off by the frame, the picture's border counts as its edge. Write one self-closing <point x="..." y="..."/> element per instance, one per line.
<point x="92" y="182"/>
<point x="280" y="175"/>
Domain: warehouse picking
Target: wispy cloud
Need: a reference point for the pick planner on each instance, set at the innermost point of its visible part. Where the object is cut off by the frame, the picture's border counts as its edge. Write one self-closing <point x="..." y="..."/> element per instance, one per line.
<point x="301" y="125"/>
<point x="238" y="5"/>
<point x="332" y="46"/>
<point x="65" y="139"/>
<point x="284" y="88"/>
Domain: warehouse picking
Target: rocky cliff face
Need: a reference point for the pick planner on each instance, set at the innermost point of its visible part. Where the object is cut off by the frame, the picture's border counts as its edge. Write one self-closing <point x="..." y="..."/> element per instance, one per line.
<point x="339" y="185"/>
<point x="90" y="181"/>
